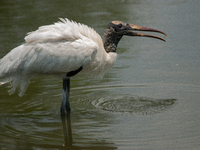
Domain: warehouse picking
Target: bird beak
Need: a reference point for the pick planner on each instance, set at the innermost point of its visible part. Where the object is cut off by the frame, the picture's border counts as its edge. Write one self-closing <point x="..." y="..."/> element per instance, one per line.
<point x="141" y="28"/>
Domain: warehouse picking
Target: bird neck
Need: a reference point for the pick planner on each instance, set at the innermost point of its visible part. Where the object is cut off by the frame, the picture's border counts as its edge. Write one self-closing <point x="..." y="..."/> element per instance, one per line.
<point x="111" y="39"/>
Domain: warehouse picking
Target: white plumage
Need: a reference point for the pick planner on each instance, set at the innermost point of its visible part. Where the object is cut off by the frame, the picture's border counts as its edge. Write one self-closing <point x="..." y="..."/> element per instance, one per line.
<point x="55" y="50"/>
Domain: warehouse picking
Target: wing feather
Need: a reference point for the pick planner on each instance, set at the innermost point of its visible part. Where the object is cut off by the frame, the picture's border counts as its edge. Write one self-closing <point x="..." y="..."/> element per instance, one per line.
<point x="64" y="30"/>
<point x="54" y="49"/>
<point x="59" y="58"/>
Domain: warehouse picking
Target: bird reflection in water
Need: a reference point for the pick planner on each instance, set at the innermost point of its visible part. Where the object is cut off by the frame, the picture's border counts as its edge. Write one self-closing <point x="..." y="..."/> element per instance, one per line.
<point x="67" y="130"/>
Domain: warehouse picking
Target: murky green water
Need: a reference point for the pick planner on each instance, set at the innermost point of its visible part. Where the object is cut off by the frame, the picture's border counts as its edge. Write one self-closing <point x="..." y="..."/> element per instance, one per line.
<point x="150" y="100"/>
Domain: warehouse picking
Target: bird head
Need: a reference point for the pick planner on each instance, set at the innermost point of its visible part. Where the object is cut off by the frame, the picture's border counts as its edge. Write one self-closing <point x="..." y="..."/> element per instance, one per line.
<point x="116" y="29"/>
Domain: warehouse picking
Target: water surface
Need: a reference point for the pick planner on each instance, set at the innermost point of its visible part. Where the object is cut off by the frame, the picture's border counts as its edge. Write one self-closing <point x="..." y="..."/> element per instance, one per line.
<point x="149" y="100"/>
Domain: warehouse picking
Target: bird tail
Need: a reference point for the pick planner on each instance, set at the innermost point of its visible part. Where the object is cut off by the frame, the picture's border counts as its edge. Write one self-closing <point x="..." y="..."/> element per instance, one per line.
<point x="11" y="70"/>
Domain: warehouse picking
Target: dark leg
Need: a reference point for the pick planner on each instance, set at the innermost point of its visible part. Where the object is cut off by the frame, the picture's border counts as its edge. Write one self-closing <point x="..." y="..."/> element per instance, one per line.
<point x="65" y="105"/>
<point x="65" y="108"/>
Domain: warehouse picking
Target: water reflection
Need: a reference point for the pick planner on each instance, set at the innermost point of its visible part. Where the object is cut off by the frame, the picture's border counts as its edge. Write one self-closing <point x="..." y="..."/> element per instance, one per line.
<point x="67" y="130"/>
<point x="68" y="137"/>
<point x="42" y="130"/>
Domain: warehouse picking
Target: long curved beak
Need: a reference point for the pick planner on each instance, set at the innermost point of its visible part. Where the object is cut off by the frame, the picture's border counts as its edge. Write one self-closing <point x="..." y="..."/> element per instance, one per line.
<point x="141" y="28"/>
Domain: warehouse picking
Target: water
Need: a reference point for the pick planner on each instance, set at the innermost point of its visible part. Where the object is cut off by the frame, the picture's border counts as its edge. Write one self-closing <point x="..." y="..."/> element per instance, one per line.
<point x="149" y="100"/>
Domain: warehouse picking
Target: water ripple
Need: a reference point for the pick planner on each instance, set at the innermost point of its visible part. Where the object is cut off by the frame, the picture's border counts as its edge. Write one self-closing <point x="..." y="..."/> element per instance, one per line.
<point x="133" y="104"/>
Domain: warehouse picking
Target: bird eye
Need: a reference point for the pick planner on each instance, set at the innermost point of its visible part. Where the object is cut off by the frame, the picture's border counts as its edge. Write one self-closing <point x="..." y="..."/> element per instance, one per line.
<point x="120" y="25"/>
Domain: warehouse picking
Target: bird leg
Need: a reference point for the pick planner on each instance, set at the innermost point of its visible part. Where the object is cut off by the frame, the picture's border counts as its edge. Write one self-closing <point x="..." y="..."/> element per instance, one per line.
<point x="65" y="105"/>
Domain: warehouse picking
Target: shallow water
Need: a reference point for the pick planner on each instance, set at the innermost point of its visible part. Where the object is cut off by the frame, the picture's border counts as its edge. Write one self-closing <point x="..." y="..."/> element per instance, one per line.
<point x="148" y="100"/>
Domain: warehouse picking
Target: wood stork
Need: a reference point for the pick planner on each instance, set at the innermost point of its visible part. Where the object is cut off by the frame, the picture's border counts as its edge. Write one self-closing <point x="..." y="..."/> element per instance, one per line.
<point x="64" y="49"/>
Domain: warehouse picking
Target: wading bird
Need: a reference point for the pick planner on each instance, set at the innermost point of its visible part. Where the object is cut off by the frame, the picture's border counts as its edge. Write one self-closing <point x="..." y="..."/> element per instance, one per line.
<point x="64" y="49"/>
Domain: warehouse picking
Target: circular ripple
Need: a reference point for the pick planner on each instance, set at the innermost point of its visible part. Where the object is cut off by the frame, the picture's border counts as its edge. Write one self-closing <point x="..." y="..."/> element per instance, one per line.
<point x="133" y="104"/>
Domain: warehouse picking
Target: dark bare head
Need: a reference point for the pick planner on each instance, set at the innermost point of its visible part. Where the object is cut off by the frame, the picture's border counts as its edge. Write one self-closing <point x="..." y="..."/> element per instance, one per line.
<point x="116" y="29"/>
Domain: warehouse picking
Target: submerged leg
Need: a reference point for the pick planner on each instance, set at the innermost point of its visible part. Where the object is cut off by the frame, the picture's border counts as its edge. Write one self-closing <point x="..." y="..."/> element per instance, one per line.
<point x="65" y="105"/>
